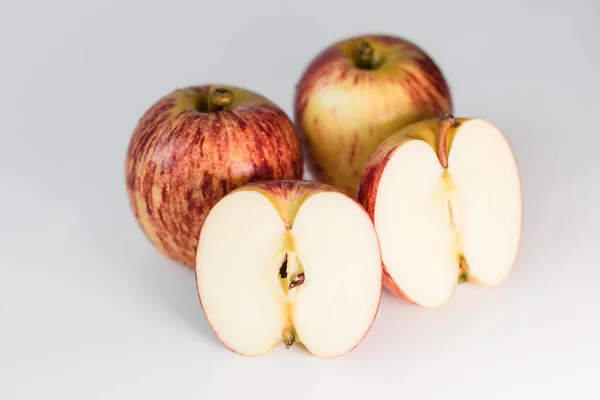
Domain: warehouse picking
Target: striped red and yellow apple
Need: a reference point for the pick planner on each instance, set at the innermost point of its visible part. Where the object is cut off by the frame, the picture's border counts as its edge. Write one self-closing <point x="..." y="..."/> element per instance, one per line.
<point x="356" y="93"/>
<point x="195" y="145"/>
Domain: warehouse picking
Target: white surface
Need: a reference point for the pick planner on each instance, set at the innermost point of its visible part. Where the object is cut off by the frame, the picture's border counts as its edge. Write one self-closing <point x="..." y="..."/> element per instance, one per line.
<point x="88" y="310"/>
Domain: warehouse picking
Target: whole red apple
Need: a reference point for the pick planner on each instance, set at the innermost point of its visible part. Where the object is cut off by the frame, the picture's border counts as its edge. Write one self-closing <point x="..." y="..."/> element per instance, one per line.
<point x="356" y="93"/>
<point x="195" y="145"/>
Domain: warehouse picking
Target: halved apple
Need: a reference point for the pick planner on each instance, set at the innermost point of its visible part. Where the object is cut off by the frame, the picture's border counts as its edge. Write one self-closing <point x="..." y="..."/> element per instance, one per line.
<point x="445" y="198"/>
<point x="291" y="261"/>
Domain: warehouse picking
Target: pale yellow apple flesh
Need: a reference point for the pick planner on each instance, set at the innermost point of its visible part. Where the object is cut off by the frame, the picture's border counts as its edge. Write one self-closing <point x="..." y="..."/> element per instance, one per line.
<point x="437" y="226"/>
<point x="248" y="257"/>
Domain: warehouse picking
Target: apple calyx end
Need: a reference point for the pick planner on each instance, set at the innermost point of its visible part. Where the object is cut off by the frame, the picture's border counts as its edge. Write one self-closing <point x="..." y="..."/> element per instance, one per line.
<point x="220" y="98"/>
<point x="464" y="275"/>
<point x="447" y="121"/>
<point x="289" y="336"/>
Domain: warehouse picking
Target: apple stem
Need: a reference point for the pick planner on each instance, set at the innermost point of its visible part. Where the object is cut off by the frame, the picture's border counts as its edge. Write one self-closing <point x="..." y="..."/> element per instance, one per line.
<point x="447" y="121"/>
<point x="365" y="56"/>
<point x="220" y="98"/>
<point x="297" y="281"/>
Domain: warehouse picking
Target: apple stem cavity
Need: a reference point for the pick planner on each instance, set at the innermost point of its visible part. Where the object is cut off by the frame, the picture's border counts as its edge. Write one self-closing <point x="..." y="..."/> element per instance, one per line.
<point x="365" y="56"/>
<point x="297" y="281"/>
<point x="220" y="98"/>
<point x="447" y="121"/>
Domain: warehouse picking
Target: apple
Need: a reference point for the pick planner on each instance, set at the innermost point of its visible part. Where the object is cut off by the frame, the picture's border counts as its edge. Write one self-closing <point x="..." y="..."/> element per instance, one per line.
<point x="445" y="197"/>
<point x="195" y="145"/>
<point x="356" y="93"/>
<point x="289" y="261"/>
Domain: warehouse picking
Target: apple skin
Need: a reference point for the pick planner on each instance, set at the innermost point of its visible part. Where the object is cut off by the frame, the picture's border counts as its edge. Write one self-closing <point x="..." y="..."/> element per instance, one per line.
<point x="182" y="159"/>
<point x="288" y="196"/>
<point x="427" y="131"/>
<point x="343" y="113"/>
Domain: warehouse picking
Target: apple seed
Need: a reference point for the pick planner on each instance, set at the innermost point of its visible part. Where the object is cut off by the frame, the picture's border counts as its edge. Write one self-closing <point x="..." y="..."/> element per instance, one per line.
<point x="297" y="281"/>
<point x="283" y="270"/>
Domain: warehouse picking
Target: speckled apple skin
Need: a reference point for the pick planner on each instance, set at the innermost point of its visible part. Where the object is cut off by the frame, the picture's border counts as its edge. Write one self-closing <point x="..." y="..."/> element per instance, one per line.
<point x="181" y="161"/>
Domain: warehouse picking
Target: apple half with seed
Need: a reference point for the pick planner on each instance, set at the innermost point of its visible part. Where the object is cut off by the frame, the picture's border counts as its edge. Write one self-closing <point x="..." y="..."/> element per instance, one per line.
<point x="445" y="197"/>
<point x="289" y="261"/>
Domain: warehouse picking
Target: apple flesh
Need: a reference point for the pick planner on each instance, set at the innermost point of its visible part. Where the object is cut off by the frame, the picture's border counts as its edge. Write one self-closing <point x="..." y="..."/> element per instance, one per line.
<point x="195" y="145"/>
<point x="445" y="198"/>
<point x="356" y="93"/>
<point x="289" y="261"/>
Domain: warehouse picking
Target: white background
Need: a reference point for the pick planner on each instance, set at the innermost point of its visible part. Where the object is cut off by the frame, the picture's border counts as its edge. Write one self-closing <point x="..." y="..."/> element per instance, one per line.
<point x="89" y="310"/>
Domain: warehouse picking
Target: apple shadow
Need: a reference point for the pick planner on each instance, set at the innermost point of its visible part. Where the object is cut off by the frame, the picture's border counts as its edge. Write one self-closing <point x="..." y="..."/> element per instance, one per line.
<point x="420" y="333"/>
<point x="174" y="288"/>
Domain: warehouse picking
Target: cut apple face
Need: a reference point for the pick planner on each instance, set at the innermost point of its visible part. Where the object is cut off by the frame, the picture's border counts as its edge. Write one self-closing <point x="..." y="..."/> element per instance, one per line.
<point x="289" y="261"/>
<point x="446" y="201"/>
